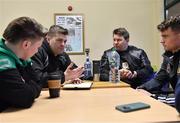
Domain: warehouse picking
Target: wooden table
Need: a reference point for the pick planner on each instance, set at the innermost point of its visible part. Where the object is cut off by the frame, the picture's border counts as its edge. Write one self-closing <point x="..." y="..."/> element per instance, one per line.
<point x="104" y="84"/>
<point x="91" y="106"/>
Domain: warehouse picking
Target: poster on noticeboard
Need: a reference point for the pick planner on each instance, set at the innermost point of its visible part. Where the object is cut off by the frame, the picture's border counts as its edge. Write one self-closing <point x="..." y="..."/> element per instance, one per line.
<point x="74" y="23"/>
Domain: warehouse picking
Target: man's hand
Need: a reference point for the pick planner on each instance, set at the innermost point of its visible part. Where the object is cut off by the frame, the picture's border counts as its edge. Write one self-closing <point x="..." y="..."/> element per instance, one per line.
<point x="127" y="74"/>
<point x="73" y="74"/>
<point x="75" y="81"/>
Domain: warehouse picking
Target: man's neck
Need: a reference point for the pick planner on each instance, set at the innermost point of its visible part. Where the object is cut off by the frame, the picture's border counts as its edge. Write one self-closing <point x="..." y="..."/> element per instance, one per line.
<point x="14" y="49"/>
<point x="176" y="50"/>
<point x="123" y="49"/>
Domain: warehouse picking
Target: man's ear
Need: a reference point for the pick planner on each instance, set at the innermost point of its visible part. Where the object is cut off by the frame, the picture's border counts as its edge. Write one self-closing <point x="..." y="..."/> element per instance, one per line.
<point x="26" y="44"/>
<point x="48" y="38"/>
<point x="127" y="40"/>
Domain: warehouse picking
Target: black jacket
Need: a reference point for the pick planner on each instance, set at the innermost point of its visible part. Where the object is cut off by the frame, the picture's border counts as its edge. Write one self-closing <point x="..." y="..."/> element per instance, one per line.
<point x="18" y="83"/>
<point x="177" y="91"/>
<point x="167" y="72"/>
<point x="45" y="63"/>
<point x="137" y="61"/>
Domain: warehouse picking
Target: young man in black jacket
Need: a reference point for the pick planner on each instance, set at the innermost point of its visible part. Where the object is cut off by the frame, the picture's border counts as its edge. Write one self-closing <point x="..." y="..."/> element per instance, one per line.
<point x="170" y="32"/>
<point x="138" y="68"/>
<point x="51" y="58"/>
<point x="18" y="84"/>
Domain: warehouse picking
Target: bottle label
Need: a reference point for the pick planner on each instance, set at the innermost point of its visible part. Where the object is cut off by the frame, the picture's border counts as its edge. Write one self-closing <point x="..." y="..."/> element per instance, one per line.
<point x="114" y="75"/>
<point x="114" y="63"/>
<point x="87" y="71"/>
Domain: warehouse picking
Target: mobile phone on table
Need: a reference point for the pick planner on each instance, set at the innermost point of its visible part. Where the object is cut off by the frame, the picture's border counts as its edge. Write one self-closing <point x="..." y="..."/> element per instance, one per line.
<point x="132" y="107"/>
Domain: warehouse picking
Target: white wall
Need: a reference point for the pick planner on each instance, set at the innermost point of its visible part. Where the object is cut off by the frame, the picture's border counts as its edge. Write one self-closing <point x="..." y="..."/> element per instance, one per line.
<point x="158" y="18"/>
<point x="140" y="17"/>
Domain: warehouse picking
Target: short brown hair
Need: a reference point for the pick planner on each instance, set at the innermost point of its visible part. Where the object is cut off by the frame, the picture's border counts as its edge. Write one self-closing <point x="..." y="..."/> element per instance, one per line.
<point x="57" y="29"/>
<point x="23" y="28"/>
<point x="173" y="23"/>
<point x="121" y="32"/>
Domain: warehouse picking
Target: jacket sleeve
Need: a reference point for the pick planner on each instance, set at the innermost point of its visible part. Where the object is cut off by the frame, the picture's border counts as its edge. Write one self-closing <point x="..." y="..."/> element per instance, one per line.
<point x="104" y="68"/>
<point x="16" y="91"/>
<point x="146" y="71"/>
<point x="40" y="63"/>
<point x="161" y="77"/>
<point x="177" y="94"/>
<point x="68" y="61"/>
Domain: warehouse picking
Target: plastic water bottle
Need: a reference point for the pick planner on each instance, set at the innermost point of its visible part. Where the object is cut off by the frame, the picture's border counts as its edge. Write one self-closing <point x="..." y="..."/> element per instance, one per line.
<point x="87" y="66"/>
<point x="114" y="63"/>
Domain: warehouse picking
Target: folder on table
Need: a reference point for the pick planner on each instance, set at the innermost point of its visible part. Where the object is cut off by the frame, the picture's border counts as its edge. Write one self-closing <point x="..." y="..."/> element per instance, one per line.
<point x="83" y="85"/>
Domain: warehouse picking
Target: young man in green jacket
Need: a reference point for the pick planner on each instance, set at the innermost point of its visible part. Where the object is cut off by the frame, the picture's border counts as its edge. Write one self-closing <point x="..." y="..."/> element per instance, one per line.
<point x="18" y="86"/>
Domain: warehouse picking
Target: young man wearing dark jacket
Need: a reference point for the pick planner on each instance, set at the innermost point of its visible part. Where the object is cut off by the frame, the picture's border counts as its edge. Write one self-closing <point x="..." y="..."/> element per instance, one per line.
<point x="51" y="58"/>
<point x="170" y="32"/>
<point x="138" y="67"/>
<point x="18" y="84"/>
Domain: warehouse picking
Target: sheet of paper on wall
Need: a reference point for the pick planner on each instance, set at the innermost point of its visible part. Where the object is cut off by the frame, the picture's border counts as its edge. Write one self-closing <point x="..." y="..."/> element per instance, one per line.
<point x="83" y="85"/>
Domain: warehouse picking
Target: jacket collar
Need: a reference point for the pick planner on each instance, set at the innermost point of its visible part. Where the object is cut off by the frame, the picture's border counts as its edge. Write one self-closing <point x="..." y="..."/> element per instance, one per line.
<point x="170" y="54"/>
<point x="124" y="50"/>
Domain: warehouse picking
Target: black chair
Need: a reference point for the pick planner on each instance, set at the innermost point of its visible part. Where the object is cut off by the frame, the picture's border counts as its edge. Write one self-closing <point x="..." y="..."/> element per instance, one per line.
<point x="96" y="67"/>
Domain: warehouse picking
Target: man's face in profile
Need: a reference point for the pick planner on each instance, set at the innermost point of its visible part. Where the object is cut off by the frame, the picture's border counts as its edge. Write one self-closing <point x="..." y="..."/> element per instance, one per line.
<point x="170" y="40"/>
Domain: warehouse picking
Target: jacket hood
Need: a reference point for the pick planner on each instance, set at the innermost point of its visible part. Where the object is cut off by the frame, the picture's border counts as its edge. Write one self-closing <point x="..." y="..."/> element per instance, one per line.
<point x="8" y="52"/>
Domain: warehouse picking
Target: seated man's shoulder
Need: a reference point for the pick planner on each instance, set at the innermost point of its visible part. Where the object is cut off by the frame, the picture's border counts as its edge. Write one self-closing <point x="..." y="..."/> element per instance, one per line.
<point x="6" y="62"/>
<point x="108" y="50"/>
<point x="41" y="54"/>
<point x="64" y="54"/>
<point x="135" y="48"/>
<point x="42" y="50"/>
